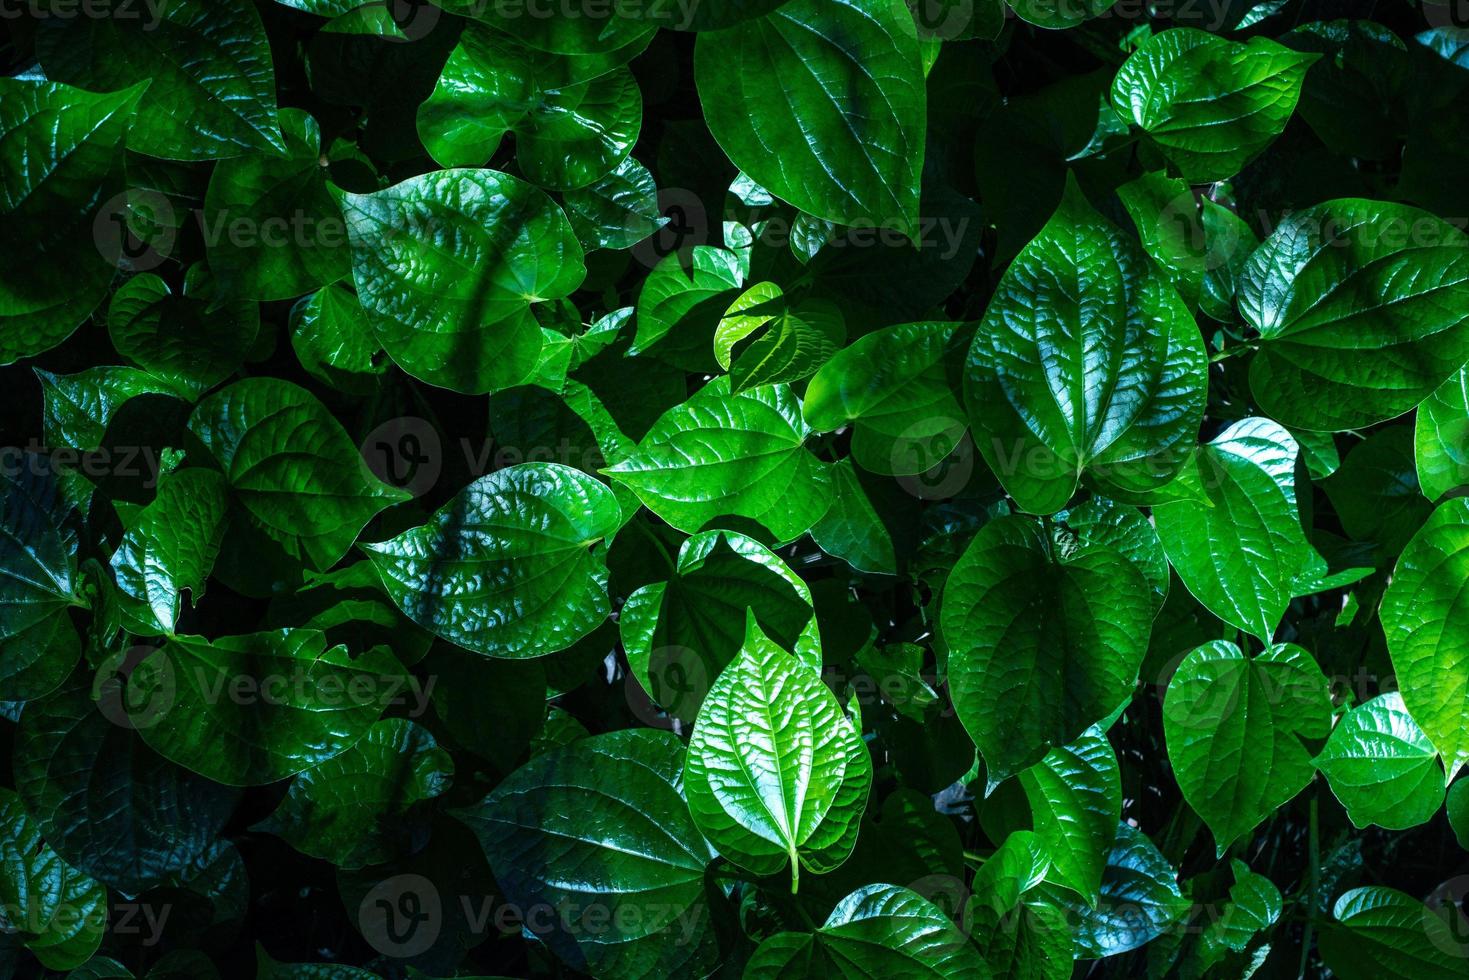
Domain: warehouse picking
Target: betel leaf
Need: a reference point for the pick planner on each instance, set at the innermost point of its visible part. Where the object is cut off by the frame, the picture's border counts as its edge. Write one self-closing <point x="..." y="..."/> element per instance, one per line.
<point x="1382" y="767"/>
<point x="720" y="454"/>
<point x="1236" y="728"/>
<point x="171" y="545"/>
<point x="79" y="406"/>
<point x="272" y="229"/>
<point x="1087" y="363"/>
<point x="1140" y="899"/>
<point x="617" y="210"/>
<point x="790" y="342"/>
<point x="1045" y="639"/>
<point x="1362" y="309"/>
<point x="681" y="303"/>
<point x="852" y="529"/>
<point x="1441" y="439"/>
<point x="680" y="634"/>
<point x="1059" y="14"/>
<point x="55" y="911"/>
<point x="59" y="148"/>
<point x="354" y="809"/>
<point x="822" y="103"/>
<point x="1170" y="228"/>
<point x="1382" y="932"/>
<point x="1375" y="492"/>
<point x="1209" y="104"/>
<point x="179" y="337"/>
<point x="249" y="710"/>
<point x="39" y="581"/>
<point x="597" y="827"/>
<point x="1238" y="545"/>
<point x="291" y="467"/>
<point x="1424" y="618"/>
<point x="876" y="931"/>
<point x="447" y="266"/>
<point x="211" y="91"/>
<point x="574" y="119"/>
<point x="1075" y="796"/>
<point x="1228" y="244"/>
<point x="507" y="568"/>
<point x="334" y="341"/>
<point x="108" y="804"/>
<point x="776" y="773"/>
<point x="894" y="388"/>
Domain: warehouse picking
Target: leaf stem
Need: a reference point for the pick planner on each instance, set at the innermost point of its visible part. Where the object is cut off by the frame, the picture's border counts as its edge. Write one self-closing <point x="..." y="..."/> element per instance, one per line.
<point x="657" y="543"/>
<point x="1314" y="856"/>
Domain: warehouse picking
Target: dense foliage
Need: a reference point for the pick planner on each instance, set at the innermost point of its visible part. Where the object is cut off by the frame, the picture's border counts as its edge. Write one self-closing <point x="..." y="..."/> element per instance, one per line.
<point x="740" y="488"/>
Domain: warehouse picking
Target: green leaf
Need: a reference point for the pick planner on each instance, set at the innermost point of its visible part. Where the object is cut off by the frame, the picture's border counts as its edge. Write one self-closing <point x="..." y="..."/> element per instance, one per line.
<point x="57" y="912"/>
<point x="1209" y="104"/>
<point x="38" y="581"/>
<point x="507" y="567"/>
<point x="59" y="147"/>
<point x="272" y="228"/>
<point x="574" y="119"/>
<point x="1254" y="906"/>
<point x="1350" y="282"/>
<point x="249" y="710"/>
<point x="1375" y="492"/>
<point x="775" y="771"/>
<point x="111" y="807"/>
<point x="1457" y="808"/>
<point x="291" y="467"/>
<point x="211" y="91"/>
<point x="893" y="387"/>
<point x="837" y="89"/>
<point x="599" y="829"/>
<point x="877" y="931"/>
<point x="1382" y="933"/>
<point x="852" y="530"/>
<point x="171" y="544"/>
<point x="1441" y="439"/>
<point x="1124" y="529"/>
<point x="1424" y="618"/>
<point x="617" y="210"/>
<point x="447" y="266"/>
<point x="1139" y="899"/>
<point x="1382" y="767"/>
<point x="719" y="454"/>
<point x="680" y="634"/>
<point x="1045" y="639"/>
<point x="790" y="343"/>
<point x="1170" y="228"/>
<point x="1058" y="15"/>
<point x="334" y="341"/>
<point x="680" y="306"/>
<point x="1228" y="244"/>
<point x="1086" y="363"/>
<point x="180" y="338"/>
<point x="79" y="406"/>
<point x="1075" y="796"/>
<point x="1238" y="545"/>
<point x="1235" y="727"/>
<point x="353" y="810"/>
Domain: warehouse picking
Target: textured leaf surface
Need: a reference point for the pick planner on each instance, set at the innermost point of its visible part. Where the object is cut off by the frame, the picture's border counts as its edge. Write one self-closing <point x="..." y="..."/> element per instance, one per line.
<point x="836" y="90"/>
<point x="1382" y="767"/>
<point x="507" y="567"/>
<point x="1236" y="726"/>
<point x="1086" y="362"/>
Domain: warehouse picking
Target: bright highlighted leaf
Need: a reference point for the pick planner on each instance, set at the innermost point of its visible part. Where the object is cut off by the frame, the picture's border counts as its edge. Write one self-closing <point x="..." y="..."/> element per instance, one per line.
<point x="1382" y="767"/>
<point x="1087" y="363"/>
<point x="1362" y="309"/>
<point x="776" y="773"/>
